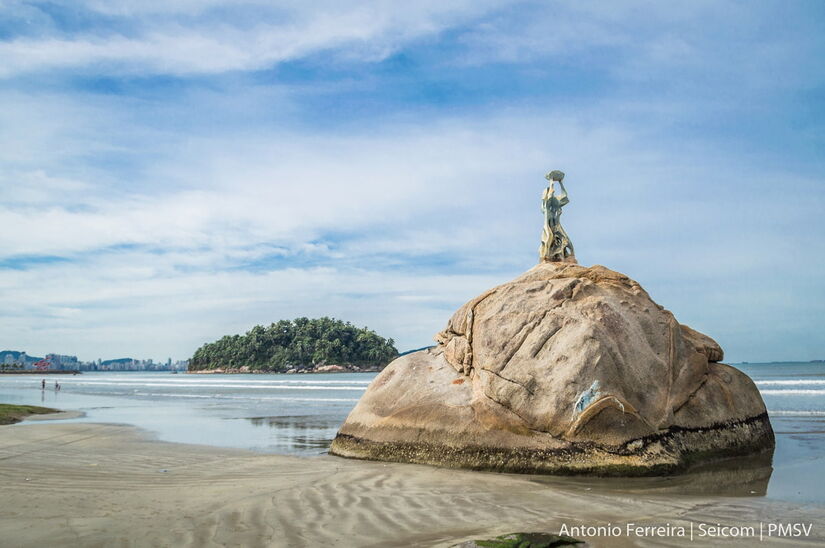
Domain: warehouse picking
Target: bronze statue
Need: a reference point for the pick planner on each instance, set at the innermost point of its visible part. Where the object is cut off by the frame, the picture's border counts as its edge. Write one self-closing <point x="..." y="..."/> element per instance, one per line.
<point x="555" y="244"/>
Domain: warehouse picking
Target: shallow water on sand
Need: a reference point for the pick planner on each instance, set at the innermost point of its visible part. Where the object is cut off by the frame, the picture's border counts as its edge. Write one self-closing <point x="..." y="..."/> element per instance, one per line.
<point x="300" y="414"/>
<point x="794" y="394"/>
<point x="293" y="414"/>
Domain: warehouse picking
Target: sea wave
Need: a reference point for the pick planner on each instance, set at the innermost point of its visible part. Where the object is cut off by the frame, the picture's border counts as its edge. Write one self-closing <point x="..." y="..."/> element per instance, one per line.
<point x="200" y="380"/>
<point x="796" y="412"/>
<point x="793" y="392"/>
<point x="212" y="379"/>
<point x="227" y="397"/>
<point x="211" y="385"/>
<point x="791" y="382"/>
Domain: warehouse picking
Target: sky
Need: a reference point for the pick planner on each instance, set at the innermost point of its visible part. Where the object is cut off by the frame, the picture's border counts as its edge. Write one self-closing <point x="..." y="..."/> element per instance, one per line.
<point x="175" y="171"/>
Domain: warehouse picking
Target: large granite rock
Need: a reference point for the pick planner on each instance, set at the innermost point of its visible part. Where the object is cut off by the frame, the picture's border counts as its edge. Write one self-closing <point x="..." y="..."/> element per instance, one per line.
<point x="566" y="369"/>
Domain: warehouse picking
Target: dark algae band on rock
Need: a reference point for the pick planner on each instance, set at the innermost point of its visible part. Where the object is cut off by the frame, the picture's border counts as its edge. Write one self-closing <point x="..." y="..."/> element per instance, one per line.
<point x="564" y="370"/>
<point x="690" y="445"/>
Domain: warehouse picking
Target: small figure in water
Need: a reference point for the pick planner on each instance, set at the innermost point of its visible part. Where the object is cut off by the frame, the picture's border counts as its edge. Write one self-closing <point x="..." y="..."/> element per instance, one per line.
<point x="43" y="384"/>
<point x="56" y="386"/>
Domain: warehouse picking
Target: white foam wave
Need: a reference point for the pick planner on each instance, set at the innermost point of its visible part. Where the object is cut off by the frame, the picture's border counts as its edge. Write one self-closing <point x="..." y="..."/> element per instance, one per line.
<point x="213" y="385"/>
<point x="284" y="398"/>
<point x="793" y="382"/>
<point x="796" y="412"/>
<point x="793" y="392"/>
<point x="189" y="380"/>
<point x="221" y="396"/>
<point x="210" y="380"/>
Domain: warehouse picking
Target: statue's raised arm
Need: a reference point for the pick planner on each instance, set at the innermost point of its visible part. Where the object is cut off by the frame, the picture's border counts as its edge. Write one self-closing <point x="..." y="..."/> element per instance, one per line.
<point x="555" y="244"/>
<point x="563" y="199"/>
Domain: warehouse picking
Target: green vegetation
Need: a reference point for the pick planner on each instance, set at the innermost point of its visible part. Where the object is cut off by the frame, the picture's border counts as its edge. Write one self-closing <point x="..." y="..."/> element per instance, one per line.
<point x="10" y="414"/>
<point x="301" y="344"/>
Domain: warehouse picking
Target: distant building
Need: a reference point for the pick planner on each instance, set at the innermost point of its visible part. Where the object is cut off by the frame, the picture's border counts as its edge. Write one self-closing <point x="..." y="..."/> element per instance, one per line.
<point x="13" y="359"/>
<point x="63" y="362"/>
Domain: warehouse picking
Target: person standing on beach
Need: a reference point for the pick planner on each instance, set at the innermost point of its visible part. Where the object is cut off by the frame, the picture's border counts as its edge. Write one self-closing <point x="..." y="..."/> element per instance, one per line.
<point x="56" y="386"/>
<point x="43" y="384"/>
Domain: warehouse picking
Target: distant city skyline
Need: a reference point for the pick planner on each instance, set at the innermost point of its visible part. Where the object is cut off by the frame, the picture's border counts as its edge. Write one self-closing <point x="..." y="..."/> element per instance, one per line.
<point x="174" y="172"/>
<point x="24" y="360"/>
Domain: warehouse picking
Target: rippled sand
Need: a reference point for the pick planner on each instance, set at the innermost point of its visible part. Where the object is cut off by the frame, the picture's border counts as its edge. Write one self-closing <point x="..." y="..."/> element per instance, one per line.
<point x="111" y="485"/>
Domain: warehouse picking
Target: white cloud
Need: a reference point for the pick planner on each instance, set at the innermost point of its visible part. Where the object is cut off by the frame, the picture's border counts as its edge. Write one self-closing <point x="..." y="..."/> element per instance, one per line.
<point x="159" y="42"/>
<point x="372" y="210"/>
<point x="177" y="230"/>
<point x="109" y="307"/>
<point x="694" y="47"/>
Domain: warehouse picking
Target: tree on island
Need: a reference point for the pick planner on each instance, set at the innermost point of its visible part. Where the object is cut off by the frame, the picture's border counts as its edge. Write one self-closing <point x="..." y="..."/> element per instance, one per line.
<point x="302" y="343"/>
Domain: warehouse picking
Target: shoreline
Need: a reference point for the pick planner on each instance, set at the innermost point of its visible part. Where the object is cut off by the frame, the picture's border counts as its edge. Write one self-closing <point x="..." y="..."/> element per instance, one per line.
<point x="112" y="483"/>
<point x="58" y="415"/>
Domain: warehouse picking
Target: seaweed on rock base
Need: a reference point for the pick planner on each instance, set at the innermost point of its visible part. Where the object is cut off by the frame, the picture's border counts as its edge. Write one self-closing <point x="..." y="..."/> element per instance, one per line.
<point x="673" y="451"/>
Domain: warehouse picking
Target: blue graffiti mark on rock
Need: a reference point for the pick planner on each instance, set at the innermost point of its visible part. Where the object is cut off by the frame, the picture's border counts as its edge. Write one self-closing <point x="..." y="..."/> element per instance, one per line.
<point x="586" y="398"/>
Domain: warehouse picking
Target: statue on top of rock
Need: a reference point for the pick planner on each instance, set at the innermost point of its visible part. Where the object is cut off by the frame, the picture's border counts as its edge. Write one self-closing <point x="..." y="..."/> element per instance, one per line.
<point x="555" y="243"/>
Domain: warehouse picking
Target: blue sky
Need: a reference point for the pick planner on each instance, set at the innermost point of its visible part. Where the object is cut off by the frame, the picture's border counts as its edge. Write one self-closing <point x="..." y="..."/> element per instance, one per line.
<point x="171" y="172"/>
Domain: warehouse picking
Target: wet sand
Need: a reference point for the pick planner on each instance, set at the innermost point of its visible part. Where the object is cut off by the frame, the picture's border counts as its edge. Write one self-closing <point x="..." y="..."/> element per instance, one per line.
<point x="80" y="484"/>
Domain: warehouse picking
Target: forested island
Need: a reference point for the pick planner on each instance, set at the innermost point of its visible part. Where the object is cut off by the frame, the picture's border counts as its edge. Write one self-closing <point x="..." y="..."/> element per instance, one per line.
<point x="300" y="345"/>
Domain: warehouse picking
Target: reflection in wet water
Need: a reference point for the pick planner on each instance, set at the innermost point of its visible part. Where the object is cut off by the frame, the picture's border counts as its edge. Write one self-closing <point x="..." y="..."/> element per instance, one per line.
<point x="298" y="422"/>
<point x="301" y="432"/>
<point x="308" y="443"/>
<point x="735" y="477"/>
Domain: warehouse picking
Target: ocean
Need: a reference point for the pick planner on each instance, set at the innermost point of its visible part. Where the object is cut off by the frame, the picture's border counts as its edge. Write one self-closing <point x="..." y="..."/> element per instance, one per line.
<point x="300" y="414"/>
<point x="293" y="414"/>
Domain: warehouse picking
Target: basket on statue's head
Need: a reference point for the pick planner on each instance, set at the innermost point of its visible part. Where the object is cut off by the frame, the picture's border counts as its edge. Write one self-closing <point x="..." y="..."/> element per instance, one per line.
<point x="555" y="175"/>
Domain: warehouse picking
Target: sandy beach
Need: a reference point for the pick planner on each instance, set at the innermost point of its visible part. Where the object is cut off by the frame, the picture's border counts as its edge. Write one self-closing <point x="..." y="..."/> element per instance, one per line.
<point x="87" y="484"/>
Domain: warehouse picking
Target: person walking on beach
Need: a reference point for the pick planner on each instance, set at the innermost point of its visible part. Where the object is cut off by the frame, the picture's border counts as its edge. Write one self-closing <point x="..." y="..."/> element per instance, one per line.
<point x="56" y="386"/>
<point x="43" y="384"/>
